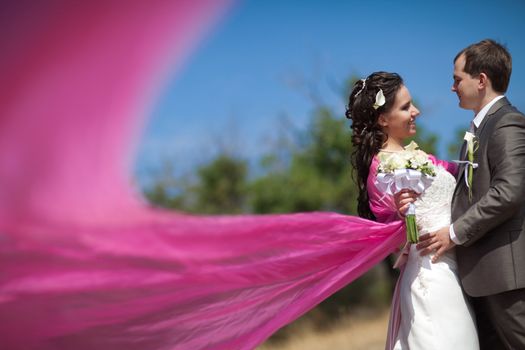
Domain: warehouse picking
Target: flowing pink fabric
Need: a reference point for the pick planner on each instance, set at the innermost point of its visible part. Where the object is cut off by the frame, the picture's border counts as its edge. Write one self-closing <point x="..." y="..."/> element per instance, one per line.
<point x="85" y="262"/>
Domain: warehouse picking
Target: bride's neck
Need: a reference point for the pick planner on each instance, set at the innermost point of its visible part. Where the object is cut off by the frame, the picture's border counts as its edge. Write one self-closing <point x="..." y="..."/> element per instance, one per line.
<point x="392" y="145"/>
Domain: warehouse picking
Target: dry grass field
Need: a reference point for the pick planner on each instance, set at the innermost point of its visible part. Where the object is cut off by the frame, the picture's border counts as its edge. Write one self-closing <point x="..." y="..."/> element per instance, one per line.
<point x="352" y="333"/>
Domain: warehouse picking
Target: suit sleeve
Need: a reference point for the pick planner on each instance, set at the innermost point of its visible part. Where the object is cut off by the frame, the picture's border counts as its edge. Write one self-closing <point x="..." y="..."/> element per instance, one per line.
<point x="506" y="155"/>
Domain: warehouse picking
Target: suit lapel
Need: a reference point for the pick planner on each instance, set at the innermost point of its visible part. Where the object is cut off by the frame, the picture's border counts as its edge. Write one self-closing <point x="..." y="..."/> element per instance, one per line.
<point x="496" y="107"/>
<point x="479" y="134"/>
<point x="461" y="171"/>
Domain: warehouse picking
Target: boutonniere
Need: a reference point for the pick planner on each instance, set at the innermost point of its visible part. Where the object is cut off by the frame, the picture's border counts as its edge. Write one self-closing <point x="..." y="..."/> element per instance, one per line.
<point x="472" y="147"/>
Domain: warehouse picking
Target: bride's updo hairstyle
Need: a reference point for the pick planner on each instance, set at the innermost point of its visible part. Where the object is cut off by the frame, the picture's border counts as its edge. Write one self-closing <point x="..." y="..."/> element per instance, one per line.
<point x="368" y="137"/>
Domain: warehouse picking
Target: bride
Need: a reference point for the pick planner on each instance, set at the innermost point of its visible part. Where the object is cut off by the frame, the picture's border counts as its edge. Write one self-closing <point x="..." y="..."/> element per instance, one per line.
<point x="429" y="309"/>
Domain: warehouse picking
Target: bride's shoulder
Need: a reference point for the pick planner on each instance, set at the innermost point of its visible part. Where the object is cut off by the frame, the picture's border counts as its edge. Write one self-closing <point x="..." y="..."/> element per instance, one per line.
<point x="374" y="164"/>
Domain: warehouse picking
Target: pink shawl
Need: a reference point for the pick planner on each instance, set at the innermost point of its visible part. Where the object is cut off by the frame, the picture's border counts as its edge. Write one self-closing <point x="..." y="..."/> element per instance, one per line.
<point x="85" y="262"/>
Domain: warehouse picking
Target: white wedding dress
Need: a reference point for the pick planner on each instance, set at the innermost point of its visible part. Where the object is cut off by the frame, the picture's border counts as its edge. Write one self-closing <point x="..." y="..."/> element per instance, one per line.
<point x="434" y="311"/>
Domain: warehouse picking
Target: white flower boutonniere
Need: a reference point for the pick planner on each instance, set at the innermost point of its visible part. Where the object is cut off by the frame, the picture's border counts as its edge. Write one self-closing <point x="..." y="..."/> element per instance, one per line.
<point x="472" y="147"/>
<point x="469" y="137"/>
<point x="380" y="99"/>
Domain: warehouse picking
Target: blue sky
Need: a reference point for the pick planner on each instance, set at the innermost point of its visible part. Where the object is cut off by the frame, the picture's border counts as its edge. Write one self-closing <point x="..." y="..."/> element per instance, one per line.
<point x="244" y="76"/>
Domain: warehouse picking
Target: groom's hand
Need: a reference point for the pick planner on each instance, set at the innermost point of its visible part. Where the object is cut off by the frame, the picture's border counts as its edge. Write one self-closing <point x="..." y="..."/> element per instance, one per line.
<point x="438" y="242"/>
<point x="403" y="199"/>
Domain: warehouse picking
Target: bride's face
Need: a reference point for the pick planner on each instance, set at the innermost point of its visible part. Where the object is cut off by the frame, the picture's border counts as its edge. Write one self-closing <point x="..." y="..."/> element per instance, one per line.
<point x="399" y="122"/>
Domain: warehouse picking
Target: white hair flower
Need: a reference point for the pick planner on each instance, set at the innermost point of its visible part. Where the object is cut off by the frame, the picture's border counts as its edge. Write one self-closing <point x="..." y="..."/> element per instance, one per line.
<point x="380" y="99"/>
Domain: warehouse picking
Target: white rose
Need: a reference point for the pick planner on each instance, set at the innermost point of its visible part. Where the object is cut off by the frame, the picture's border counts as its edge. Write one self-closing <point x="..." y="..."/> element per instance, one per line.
<point x="420" y="158"/>
<point x="397" y="161"/>
<point x="415" y="164"/>
<point x="383" y="157"/>
<point x="412" y="146"/>
<point x="407" y="155"/>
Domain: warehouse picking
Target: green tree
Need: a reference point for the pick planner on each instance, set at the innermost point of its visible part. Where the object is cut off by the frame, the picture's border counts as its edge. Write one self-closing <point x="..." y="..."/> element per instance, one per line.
<point x="455" y="145"/>
<point x="317" y="176"/>
<point x="221" y="186"/>
<point x="218" y="187"/>
<point x="167" y="190"/>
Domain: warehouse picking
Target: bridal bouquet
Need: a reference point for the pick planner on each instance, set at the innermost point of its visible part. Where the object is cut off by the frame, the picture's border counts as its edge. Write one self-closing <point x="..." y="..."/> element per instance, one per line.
<point x="407" y="169"/>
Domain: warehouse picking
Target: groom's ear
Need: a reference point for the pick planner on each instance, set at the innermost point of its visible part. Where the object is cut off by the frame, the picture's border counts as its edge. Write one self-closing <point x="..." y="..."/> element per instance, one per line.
<point x="484" y="81"/>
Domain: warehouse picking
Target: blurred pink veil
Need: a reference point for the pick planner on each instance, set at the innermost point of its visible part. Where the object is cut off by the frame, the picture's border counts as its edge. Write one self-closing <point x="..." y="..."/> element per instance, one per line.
<point x="85" y="261"/>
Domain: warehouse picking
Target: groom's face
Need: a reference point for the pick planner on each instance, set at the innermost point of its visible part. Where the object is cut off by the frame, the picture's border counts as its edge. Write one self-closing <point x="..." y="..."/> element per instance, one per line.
<point x="465" y="86"/>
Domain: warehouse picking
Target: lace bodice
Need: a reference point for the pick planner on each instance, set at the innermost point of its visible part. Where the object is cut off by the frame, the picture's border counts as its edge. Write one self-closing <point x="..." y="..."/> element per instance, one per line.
<point x="433" y="207"/>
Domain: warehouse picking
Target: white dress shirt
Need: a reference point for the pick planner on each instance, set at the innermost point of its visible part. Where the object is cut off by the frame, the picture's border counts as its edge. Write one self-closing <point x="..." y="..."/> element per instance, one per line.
<point x="476" y="122"/>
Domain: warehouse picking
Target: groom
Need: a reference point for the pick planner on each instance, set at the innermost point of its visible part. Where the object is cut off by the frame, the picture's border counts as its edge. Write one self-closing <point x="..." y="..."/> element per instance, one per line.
<point x="488" y="213"/>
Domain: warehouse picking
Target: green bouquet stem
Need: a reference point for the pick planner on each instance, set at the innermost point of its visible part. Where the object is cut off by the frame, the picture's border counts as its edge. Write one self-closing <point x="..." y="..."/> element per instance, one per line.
<point x="410" y="220"/>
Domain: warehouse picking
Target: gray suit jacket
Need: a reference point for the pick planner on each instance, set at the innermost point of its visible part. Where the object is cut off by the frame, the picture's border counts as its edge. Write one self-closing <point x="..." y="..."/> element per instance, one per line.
<point x="492" y="258"/>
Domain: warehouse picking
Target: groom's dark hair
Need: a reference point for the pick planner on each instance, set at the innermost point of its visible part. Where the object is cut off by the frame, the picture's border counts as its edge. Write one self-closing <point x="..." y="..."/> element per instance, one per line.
<point x="491" y="58"/>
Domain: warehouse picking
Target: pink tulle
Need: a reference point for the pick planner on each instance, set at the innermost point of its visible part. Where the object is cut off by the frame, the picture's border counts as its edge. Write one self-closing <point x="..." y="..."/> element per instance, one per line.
<point x="178" y="282"/>
<point x="85" y="263"/>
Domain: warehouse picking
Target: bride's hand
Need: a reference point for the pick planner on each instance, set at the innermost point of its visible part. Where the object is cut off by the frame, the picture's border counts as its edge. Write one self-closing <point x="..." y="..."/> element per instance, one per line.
<point x="403" y="199"/>
<point x="438" y="242"/>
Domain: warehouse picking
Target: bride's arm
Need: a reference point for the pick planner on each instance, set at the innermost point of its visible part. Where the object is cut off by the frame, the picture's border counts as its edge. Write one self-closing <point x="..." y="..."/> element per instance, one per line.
<point x="451" y="167"/>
